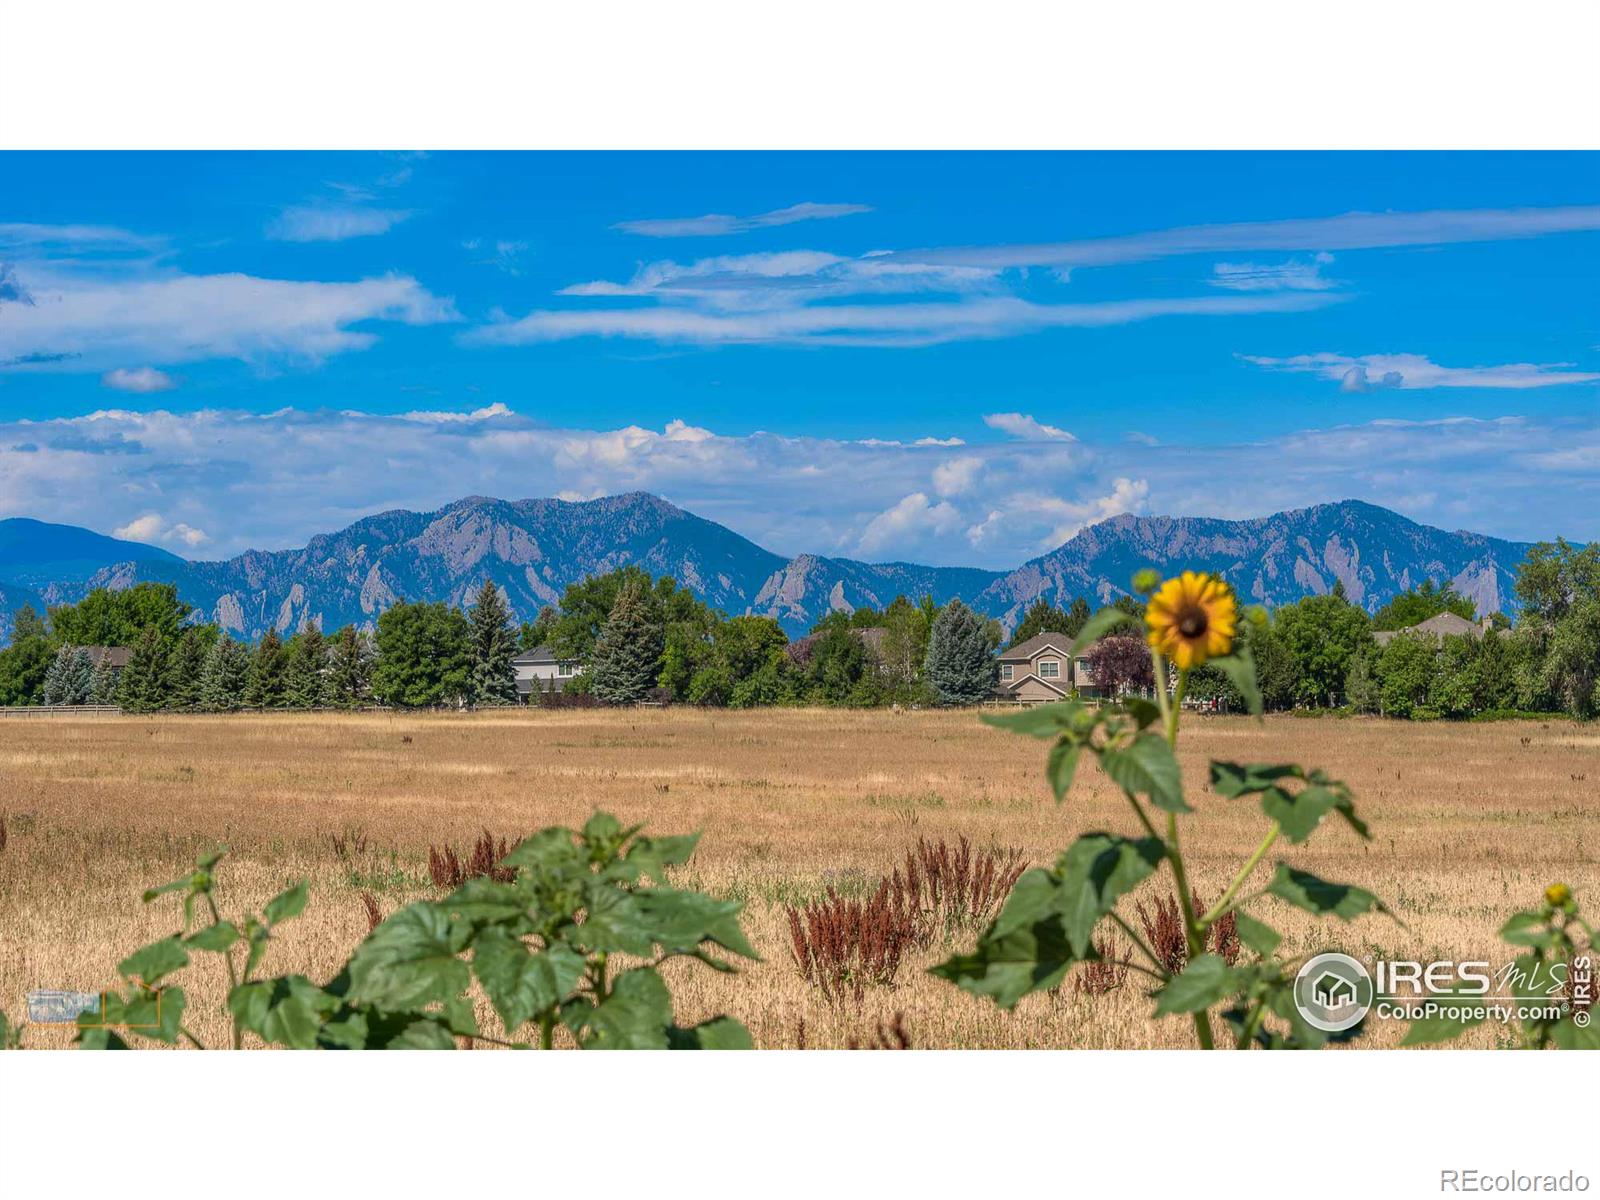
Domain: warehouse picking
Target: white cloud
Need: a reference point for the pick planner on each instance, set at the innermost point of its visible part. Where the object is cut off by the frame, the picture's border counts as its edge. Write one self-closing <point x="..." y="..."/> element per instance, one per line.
<point x="896" y="325"/>
<point x="1020" y="425"/>
<point x="1350" y="231"/>
<point x="138" y="379"/>
<point x="92" y="322"/>
<point x="151" y="528"/>
<point x="1294" y="275"/>
<point x="1060" y="517"/>
<point x="719" y="224"/>
<point x="332" y="222"/>
<point x="908" y="523"/>
<point x="430" y="417"/>
<point x="957" y="476"/>
<point x="1365" y="373"/>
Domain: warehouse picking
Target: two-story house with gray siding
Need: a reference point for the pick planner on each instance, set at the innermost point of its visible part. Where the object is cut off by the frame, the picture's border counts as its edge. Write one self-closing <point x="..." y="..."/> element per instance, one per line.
<point x="1042" y="669"/>
<point x="539" y="670"/>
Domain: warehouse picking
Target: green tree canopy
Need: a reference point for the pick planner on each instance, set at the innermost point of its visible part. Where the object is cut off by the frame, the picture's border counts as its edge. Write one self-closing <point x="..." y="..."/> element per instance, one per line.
<point x="116" y="617"/>
<point x="424" y="656"/>
<point x="266" y="685"/>
<point x="494" y="645"/>
<point x="627" y="655"/>
<point x="1417" y="605"/>
<point x="1322" y="635"/>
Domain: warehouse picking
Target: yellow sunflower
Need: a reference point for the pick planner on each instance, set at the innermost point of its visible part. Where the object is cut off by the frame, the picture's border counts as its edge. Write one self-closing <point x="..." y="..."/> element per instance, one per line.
<point x="1192" y="618"/>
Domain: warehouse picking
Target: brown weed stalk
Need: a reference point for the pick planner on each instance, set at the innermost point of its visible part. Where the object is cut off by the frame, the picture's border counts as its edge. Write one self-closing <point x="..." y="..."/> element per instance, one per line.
<point x="952" y="890"/>
<point x="842" y="946"/>
<point x="1163" y="931"/>
<point x="448" y="871"/>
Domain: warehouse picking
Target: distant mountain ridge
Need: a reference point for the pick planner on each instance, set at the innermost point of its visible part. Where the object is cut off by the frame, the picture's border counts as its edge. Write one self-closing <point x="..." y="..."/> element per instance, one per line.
<point x="533" y="549"/>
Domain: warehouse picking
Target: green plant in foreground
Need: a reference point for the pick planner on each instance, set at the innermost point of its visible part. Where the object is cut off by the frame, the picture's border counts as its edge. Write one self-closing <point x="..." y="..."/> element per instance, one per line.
<point x="1050" y="921"/>
<point x="540" y="946"/>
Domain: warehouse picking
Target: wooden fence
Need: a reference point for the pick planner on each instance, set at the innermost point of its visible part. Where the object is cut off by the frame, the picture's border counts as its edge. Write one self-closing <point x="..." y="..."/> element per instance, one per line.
<point x="58" y="710"/>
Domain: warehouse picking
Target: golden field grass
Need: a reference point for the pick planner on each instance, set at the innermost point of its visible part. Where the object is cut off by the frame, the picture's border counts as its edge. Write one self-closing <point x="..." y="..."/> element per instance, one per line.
<point x="1470" y="822"/>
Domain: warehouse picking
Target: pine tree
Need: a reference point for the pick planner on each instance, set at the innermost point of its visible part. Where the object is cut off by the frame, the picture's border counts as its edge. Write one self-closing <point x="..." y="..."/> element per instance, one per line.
<point x="144" y="680"/>
<point x="55" y="679"/>
<point x="623" y="666"/>
<point x="186" y="666"/>
<point x="264" y="687"/>
<point x="494" y="645"/>
<point x="960" y="666"/>
<point x="80" y="677"/>
<point x="304" y="675"/>
<point x="349" y="668"/>
<point x="103" y="688"/>
<point x="227" y="671"/>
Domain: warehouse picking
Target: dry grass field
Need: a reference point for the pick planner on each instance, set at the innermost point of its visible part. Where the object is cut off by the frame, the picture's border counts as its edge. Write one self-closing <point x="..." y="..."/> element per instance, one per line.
<point x="1470" y="822"/>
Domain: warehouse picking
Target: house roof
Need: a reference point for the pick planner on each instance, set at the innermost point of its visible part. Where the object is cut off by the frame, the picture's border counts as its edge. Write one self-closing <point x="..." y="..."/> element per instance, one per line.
<point x="1036" y="645"/>
<point x="801" y="649"/>
<point x="539" y="654"/>
<point x="1012" y="685"/>
<point x="1445" y="624"/>
<point x="118" y="655"/>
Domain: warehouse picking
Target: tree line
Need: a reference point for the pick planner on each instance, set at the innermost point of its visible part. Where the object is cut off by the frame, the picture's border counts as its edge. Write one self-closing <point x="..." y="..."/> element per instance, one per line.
<point x="639" y="637"/>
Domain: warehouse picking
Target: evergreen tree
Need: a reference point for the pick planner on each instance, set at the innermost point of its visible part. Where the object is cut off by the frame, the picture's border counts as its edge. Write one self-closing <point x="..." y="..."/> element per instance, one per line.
<point x="80" y="677"/>
<point x="961" y="664"/>
<point x="55" y="679"/>
<point x="264" y="688"/>
<point x="1042" y="617"/>
<point x="349" y="668"/>
<point x="144" y="680"/>
<point x="186" y="666"/>
<point x="628" y="652"/>
<point x="103" y="688"/>
<point x="542" y="628"/>
<point x="494" y="645"/>
<point x="24" y="664"/>
<point x="226" y="674"/>
<point x="1077" y="616"/>
<point x="424" y="656"/>
<point x="304" y="675"/>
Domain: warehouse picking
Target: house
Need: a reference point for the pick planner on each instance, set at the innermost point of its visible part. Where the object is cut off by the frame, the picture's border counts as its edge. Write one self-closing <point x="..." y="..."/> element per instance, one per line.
<point x="1042" y="669"/>
<point x="116" y="658"/>
<point x="540" y="670"/>
<point x="1443" y="625"/>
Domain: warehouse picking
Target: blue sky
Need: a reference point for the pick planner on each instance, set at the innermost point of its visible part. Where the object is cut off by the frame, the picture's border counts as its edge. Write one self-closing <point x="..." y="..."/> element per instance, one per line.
<point x="959" y="358"/>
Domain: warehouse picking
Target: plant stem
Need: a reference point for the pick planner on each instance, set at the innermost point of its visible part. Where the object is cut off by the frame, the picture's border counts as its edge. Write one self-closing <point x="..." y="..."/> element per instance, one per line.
<point x="193" y="1041"/>
<point x="1144" y="818"/>
<point x="233" y="975"/>
<point x="547" y="1032"/>
<point x="1221" y="906"/>
<point x="1139" y="942"/>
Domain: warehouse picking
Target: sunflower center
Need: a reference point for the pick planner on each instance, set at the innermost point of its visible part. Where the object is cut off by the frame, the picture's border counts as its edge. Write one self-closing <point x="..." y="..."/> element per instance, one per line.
<point x="1192" y="622"/>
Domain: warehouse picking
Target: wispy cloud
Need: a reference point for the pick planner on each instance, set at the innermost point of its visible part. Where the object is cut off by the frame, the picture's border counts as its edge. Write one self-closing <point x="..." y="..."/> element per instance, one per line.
<point x="1350" y="231"/>
<point x="885" y="325"/>
<point x="721" y="225"/>
<point x="1021" y="425"/>
<point x="151" y="527"/>
<point x="1370" y="372"/>
<point x="332" y="222"/>
<point x="1296" y="275"/>
<point x="138" y="379"/>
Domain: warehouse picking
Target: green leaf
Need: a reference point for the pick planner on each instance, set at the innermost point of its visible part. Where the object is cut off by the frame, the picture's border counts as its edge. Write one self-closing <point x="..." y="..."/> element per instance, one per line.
<point x="154" y="1013"/>
<point x="550" y="852"/>
<point x="1144" y="712"/>
<point x="1026" y="949"/>
<point x="422" y="1035"/>
<point x="1097" y="626"/>
<point x="287" y="1011"/>
<point x="290" y="902"/>
<point x="1305" y="890"/>
<point x="719" y="1033"/>
<point x="1530" y="929"/>
<point x="1147" y="767"/>
<point x="1096" y="871"/>
<point x="1240" y="668"/>
<point x="1446" y="1028"/>
<point x="652" y="856"/>
<point x="410" y="960"/>
<point x="1298" y="813"/>
<point x="1039" y="720"/>
<point x="680" y="921"/>
<point x="482" y="900"/>
<point x="100" y="1038"/>
<point x="521" y="984"/>
<point x="1233" y="779"/>
<point x="176" y="885"/>
<point x="150" y="963"/>
<point x="216" y="938"/>
<point x="635" y="1016"/>
<point x="1060" y="767"/>
<point x="1204" y="982"/>
<point x="1263" y="939"/>
<point x="1569" y="1035"/>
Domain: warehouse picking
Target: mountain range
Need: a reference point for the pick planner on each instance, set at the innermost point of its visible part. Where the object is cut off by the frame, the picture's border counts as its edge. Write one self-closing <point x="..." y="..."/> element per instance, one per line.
<point x="533" y="548"/>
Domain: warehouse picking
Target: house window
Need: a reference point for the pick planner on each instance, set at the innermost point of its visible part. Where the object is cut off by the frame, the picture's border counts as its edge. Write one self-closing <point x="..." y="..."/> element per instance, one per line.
<point x="565" y="669"/>
<point x="1005" y="670"/>
<point x="1049" y="668"/>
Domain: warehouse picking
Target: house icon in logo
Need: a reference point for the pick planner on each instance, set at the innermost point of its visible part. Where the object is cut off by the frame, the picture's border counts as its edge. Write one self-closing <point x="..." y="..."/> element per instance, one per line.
<point x="1333" y="991"/>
